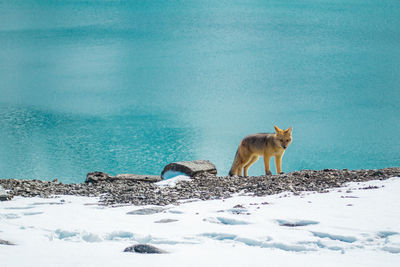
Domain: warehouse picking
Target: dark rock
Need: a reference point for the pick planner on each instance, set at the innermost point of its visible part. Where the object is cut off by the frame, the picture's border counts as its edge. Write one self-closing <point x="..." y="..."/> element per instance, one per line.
<point x="5" y="242"/>
<point x="377" y="173"/>
<point x="137" y="177"/>
<point x="145" y="249"/>
<point x="94" y="177"/>
<point x="191" y="168"/>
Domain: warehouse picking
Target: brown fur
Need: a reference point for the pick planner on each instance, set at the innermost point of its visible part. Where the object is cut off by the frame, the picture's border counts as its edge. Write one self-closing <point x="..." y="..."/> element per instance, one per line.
<point x="262" y="144"/>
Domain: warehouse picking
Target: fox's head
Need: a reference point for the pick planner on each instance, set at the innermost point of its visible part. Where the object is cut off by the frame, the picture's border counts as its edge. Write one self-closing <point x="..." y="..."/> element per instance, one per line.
<point x="284" y="137"/>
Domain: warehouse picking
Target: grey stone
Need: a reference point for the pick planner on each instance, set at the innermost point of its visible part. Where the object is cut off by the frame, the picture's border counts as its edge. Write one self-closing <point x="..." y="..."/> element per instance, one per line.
<point x="145" y="249"/>
<point x="94" y="177"/>
<point x="191" y="168"/>
<point x="146" y="211"/>
<point x="137" y="177"/>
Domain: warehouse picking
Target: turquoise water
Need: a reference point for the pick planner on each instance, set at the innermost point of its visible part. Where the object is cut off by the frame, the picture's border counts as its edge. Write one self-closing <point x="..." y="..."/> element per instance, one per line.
<point x="130" y="86"/>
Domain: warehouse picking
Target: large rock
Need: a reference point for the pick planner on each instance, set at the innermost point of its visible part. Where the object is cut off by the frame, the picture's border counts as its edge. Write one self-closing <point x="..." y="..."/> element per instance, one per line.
<point x="144" y="248"/>
<point x="94" y="177"/>
<point x="3" y="194"/>
<point x="191" y="168"/>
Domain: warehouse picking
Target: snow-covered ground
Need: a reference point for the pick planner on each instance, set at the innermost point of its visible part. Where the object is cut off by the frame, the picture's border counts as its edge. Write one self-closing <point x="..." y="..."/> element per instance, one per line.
<point x="351" y="226"/>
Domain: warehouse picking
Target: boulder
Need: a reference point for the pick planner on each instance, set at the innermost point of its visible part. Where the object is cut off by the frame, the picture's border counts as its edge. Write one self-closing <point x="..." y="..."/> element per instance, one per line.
<point x="144" y="248"/>
<point x="94" y="177"/>
<point x="137" y="177"/>
<point x="191" y="168"/>
<point x="3" y="194"/>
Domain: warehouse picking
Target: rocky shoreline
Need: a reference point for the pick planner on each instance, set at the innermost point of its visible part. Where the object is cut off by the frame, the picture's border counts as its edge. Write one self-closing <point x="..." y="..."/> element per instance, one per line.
<point x="203" y="186"/>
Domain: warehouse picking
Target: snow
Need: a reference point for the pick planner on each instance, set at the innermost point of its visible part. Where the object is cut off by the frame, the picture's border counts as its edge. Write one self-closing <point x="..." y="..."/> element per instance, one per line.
<point x="173" y="180"/>
<point x="351" y="226"/>
<point x="171" y="174"/>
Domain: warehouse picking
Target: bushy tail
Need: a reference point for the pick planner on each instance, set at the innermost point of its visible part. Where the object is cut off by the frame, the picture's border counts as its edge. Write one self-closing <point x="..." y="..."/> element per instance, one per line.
<point x="235" y="163"/>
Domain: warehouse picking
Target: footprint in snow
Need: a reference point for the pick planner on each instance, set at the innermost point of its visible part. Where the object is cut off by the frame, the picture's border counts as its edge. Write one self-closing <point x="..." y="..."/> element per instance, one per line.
<point x="385" y="234"/>
<point x="19" y="208"/>
<point x="32" y="213"/>
<point x="342" y="238"/>
<point x="296" y="223"/>
<point x="225" y="221"/>
<point x="166" y="221"/>
<point x="9" y="216"/>
<point x="146" y="211"/>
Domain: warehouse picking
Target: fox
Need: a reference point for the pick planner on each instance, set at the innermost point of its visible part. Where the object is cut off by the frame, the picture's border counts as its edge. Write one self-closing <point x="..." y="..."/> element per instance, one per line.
<point x="262" y="144"/>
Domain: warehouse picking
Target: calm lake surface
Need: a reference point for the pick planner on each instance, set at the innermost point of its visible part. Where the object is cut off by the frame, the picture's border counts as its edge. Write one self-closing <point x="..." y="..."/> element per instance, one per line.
<point x="130" y="86"/>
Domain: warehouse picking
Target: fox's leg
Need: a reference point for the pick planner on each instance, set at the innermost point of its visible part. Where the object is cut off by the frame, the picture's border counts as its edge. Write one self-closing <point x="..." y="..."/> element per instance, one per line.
<point x="239" y="172"/>
<point x="266" y="165"/>
<point x="234" y="172"/>
<point x="240" y="168"/>
<point x="241" y="164"/>
<point x="251" y="162"/>
<point x="278" y="164"/>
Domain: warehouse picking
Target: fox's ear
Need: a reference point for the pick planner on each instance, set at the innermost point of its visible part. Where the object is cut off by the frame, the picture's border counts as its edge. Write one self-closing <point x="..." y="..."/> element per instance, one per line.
<point x="289" y="130"/>
<point x="277" y="129"/>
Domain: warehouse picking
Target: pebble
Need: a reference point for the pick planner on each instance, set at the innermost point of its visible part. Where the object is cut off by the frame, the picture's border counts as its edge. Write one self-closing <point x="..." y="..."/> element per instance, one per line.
<point x="205" y="186"/>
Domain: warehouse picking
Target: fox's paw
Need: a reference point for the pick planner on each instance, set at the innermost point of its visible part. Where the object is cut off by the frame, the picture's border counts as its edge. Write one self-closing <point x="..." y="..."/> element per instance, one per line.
<point x="268" y="173"/>
<point x="281" y="173"/>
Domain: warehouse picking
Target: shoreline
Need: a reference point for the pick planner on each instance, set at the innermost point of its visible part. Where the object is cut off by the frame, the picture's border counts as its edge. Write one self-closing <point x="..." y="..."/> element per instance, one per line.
<point x="202" y="187"/>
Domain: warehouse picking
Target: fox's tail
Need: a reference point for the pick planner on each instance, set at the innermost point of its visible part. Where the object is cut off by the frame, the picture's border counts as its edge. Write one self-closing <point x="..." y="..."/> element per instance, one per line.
<point x="235" y="163"/>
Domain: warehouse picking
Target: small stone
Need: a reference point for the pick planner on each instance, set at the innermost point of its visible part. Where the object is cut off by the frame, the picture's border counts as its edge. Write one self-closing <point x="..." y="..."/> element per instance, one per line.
<point x="377" y="173"/>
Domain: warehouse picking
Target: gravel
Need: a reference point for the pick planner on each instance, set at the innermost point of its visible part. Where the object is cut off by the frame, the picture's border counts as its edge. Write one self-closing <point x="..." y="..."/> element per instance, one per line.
<point x="203" y="187"/>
